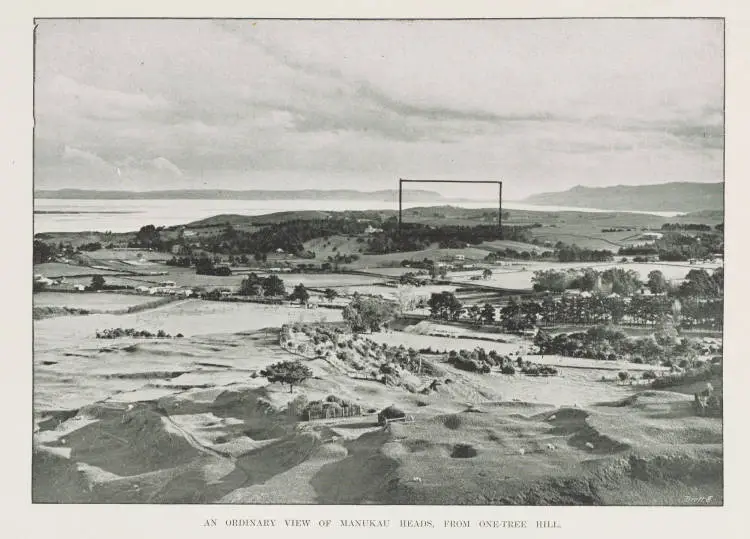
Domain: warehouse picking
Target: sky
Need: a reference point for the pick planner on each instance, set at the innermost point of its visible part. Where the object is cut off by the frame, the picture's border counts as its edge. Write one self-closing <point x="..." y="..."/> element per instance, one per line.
<point x="543" y="105"/>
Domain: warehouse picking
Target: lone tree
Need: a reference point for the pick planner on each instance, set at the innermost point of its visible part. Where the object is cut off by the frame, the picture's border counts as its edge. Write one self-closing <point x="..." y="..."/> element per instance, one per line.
<point x="300" y="294"/>
<point x="97" y="282"/>
<point x="487" y="273"/>
<point x="273" y="286"/>
<point x="330" y="294"/>
<point x="287" y="372"/>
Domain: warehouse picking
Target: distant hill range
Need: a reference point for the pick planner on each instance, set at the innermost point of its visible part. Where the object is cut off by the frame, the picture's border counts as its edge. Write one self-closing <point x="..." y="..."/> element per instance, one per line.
<point x="676" y="196"/>
<point x="414" y="195"/>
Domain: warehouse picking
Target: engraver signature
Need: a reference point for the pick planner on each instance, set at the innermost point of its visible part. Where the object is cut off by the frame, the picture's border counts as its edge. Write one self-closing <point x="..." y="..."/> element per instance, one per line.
<point x="698" y="499"/>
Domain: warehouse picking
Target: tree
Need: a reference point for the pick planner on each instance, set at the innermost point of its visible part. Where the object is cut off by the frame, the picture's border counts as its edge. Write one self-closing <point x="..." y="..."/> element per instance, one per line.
<point x="445" y="305"/>
<point x="543" y="341"/>
<point x="623" y="376"/>
<point x="623" y="282"/>
<point x="97" y="282"/>
<point x="517" y="317"/>
<point x="475" y="313"/>
<point x="287" y="372"/>
<point x="698" y="283"/>
<point x="252" y="285"/>
<point x="488" y="313"/>
<point x="330" y="294"/>
<point x="300" y="294"/>
<point x="437" y="271"/>
<point x="273" y="286"/>
<point x="148" y="236"/>
<point x="204" y="266"/>
<point x="368" y="314"/>
<point x="718" y="278"/>
<point x="549" y="280"/>
<point x="486" y="273"/>
<point x="666" y="335"/>
<point x="42" y="252"/>
<point x="657" y="283"/>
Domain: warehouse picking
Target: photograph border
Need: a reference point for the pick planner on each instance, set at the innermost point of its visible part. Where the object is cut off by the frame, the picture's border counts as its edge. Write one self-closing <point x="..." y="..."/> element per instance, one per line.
<point x="85" y="520"/>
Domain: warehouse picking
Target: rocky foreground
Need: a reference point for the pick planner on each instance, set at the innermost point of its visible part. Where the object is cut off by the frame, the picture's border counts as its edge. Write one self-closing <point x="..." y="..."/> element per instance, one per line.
<point x="189" y="421"/>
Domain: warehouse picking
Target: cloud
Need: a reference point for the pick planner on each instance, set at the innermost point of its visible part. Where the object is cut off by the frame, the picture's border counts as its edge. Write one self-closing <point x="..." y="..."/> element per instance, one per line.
<point x="81" y="156"/>
<point x="160" y="163"/>
<point x="540" y="103"/>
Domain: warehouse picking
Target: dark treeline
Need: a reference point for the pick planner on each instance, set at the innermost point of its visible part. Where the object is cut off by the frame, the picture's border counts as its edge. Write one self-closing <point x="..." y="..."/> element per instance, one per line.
<point x="697" y="282"/>
<point x="676" y="247"/>
<point x="686" y="226"/>
<point x="635" y="311"/>
<point x="417" y="237"/>
<point x="519" y="315"/>
<point x="664" y="347"/>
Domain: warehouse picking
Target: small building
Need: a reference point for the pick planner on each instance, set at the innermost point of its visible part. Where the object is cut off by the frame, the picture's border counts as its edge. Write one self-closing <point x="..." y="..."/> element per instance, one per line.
<point x="142" y="289"/>
<point x="178" y="249"/>
<point x="279" y="251"/>
<point x="79" y="287"/>
<point x="459" y="257"/>
<point x="372" y="230"/>
<point x="168" y="284"/>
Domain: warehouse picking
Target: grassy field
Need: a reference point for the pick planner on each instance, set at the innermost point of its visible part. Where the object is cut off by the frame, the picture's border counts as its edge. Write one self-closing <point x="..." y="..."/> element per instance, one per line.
<point x="57" y="269"/>
<point x="95" y="301"/>
<point x="132" y="255"/>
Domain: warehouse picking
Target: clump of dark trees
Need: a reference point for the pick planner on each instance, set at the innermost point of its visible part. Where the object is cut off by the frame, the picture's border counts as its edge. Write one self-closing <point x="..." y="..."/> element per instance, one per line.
<point x="479" y="360"/>
<point x="255" y="285"/>
<point x="119" y="333"/>
<point x="603" y="342"/>
<point x="366" y="314"/>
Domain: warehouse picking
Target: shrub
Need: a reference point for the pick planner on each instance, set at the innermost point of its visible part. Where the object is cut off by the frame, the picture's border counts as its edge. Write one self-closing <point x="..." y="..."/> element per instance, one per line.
<point x="453" y="422"/>
<point x="508" y="369"/>
<point x="649" y="375"/>
<point x="391" y="412"/>
<point x="622" y="375"/>
<point x="388" y="368"/>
